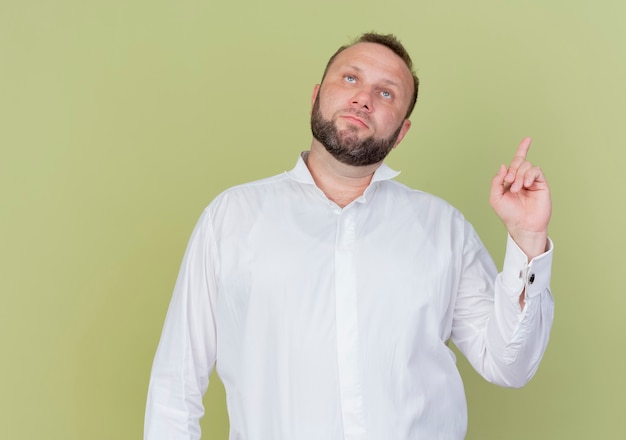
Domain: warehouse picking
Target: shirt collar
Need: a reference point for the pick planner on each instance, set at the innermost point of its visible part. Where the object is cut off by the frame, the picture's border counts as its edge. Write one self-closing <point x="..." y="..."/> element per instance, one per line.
<point x="301" y="173"/>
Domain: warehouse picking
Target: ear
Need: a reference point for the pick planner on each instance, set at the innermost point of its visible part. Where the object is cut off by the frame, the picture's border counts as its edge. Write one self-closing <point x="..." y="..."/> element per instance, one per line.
<point x="316" y="91"/>
<point x="405" y="128"/>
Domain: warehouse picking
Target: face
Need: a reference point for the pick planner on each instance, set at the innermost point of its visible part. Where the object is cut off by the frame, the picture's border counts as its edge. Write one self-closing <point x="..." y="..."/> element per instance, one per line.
<point x="359" y="110"/>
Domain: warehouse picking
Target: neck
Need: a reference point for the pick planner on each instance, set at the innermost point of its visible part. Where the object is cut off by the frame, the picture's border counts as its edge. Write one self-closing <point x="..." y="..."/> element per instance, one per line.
<point x="341" y="183"/>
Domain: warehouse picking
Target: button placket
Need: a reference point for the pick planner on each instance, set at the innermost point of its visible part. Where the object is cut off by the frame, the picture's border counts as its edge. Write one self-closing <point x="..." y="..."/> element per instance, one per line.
<point x="347" y="327"/>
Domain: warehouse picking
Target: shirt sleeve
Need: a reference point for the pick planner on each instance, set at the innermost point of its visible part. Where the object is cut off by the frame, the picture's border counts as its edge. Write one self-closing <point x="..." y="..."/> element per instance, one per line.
<point x="502" y="341"/>
<point x="187" y="350"/>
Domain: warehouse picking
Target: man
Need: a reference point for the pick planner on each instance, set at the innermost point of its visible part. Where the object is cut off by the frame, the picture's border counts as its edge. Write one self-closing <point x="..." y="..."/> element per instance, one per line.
<point x="326" y="296"/>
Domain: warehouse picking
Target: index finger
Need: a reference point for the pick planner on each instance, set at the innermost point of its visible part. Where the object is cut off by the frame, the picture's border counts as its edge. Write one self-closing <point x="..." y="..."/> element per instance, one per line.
<point x="523" y="148"/>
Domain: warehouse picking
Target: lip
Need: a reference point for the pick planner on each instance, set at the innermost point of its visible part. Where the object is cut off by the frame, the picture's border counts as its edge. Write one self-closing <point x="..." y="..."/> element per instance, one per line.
<point x="356" y="120"/>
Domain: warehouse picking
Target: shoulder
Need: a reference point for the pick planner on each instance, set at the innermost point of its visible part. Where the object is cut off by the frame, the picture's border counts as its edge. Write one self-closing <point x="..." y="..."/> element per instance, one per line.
<point x="246" y="196"/>
<point x="255" y="186"/>
<point x="418" y="199"/>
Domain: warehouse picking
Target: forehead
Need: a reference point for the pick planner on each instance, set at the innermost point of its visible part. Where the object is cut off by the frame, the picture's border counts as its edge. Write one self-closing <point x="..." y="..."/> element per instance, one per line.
<point x="378" y="62"/>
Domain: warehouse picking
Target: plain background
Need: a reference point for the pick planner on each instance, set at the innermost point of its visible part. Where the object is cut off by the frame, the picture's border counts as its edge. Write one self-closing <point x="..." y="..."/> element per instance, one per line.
<point x="120" y="120"/>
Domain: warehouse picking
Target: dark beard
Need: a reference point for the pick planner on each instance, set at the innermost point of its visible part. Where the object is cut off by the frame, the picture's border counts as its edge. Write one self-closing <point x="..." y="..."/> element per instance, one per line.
<point x="345" y="146"/>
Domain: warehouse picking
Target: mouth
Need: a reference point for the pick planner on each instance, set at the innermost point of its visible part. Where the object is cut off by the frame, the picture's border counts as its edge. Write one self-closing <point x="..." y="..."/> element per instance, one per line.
<point x="355" y="120"/>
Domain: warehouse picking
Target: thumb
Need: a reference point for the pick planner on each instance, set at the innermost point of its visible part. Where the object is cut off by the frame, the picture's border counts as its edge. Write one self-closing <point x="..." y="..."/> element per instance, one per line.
<point x="497" y="185"/>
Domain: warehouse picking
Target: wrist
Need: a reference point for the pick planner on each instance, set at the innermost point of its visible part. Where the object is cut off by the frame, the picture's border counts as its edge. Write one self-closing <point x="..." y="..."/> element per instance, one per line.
<point x="532" y="244"/>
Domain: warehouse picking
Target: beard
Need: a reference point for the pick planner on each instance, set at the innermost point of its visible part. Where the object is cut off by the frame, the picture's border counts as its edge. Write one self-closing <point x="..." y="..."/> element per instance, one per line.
<point x="345" y="145"/>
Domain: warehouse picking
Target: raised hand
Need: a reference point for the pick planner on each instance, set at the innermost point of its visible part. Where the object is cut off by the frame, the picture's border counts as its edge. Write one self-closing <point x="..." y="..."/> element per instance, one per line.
<point x="521" y="197"/>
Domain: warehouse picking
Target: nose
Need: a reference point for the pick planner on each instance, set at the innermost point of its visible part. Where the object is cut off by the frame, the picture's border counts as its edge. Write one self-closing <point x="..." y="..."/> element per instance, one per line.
<point x="362" y="99"/>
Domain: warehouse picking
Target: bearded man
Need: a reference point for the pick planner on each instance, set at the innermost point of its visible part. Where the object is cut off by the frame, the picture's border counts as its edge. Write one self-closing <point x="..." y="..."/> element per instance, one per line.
<point x="326" y="296"/>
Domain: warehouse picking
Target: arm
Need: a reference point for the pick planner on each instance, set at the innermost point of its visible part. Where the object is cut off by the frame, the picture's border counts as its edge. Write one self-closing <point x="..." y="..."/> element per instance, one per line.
<point x="187" y="349"/>
<point x="503" y="327"/>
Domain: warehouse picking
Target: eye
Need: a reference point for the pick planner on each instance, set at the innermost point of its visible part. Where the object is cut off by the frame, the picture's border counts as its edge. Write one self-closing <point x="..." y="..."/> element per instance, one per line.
<point x="350" y="78"/>
<point x="386" y="94"/>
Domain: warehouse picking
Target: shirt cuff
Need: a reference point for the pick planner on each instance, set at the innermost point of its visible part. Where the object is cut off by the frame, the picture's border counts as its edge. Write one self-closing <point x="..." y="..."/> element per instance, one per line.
<point x="518" y="273"/>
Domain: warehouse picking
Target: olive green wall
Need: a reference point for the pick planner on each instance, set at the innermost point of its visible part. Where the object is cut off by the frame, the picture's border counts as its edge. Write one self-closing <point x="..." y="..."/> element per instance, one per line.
<point x="120" y="120"/>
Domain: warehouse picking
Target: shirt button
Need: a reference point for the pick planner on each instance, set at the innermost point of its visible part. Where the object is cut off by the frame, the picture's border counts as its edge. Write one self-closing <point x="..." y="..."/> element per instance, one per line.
<point x="531" y="279"/>
<point x="521" y="274"/>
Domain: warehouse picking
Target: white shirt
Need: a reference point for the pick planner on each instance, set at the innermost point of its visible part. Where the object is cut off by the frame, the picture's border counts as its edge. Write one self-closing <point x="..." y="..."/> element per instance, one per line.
<point x="327" y="323"/>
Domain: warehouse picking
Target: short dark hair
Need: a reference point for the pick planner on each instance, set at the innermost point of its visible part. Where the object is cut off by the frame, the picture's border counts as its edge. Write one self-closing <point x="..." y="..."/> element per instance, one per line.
<point x="390" y="41"/>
